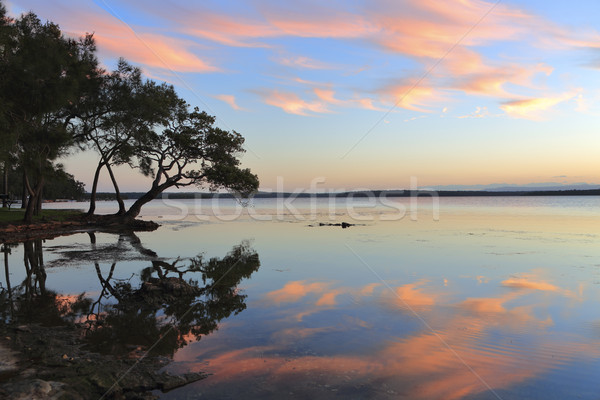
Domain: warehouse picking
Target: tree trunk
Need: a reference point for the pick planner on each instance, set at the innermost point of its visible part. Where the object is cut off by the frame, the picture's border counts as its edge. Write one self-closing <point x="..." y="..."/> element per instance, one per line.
<point x="94" y="189"/>
<point x="5" y="185"/>
<point x="117" y="192"/>
<point x="150" y="195"/>
<point x="24" y="192"/>
<point x="29" y="210"/>
<point x="35" y="199"/>
<point x="40" y="196"/>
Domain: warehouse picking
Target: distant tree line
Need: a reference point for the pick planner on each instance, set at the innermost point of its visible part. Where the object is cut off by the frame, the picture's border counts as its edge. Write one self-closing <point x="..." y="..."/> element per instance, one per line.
<point x="55" y="99"/>
<point x="59" y="185"/>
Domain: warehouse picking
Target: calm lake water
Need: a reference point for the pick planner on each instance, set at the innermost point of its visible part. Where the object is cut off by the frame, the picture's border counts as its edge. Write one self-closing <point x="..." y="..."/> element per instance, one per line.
<point x="477" y="298"/>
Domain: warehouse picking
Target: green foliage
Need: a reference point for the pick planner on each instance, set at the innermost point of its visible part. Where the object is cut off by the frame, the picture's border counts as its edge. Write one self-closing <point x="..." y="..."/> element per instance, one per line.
<point x="15" y="216"/>
<point x="62" y="185"/>
<point x="190" y="150"/>
<point x="45" y="78"/>
<point x="59" y="184"/>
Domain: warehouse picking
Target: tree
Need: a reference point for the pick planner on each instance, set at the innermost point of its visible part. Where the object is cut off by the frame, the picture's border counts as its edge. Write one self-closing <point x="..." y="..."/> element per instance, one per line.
<point x="62" y="185"/>
<point x="44" y="77"/>
<point x="190" y="150"/>
<point x="6" y="139"/>
<point x="125" y="108"/>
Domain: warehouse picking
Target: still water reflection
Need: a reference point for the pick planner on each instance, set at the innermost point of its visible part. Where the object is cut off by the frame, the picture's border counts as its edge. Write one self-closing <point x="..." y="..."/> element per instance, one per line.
<point x="156" y="311"/>
<point x="497" y="299"/>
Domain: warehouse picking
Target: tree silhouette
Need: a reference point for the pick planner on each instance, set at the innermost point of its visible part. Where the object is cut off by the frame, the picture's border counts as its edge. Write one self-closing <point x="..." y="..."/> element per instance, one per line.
<point x="126" y="107"/>
<point x="44" y="76"/>
<point x="190" y="150"/>
<point x="172" y="303"/>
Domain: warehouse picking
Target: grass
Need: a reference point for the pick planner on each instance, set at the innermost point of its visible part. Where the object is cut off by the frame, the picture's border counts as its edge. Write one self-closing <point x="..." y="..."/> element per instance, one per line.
<point x="15" y="215"/>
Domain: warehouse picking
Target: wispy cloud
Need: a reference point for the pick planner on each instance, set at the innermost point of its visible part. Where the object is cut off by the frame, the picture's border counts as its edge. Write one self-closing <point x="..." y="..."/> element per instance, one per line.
<point x="302" y="62"/>
<point x="229" y="99"/>
<point x="191" y="37"/>
<point x="534" y="108"/>
<point x="291" y="103"/>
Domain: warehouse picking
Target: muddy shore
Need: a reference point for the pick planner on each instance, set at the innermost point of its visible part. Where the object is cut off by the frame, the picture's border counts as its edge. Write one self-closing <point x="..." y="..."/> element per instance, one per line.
<point x="52" y="363"/>
<point x="15" y="233"/>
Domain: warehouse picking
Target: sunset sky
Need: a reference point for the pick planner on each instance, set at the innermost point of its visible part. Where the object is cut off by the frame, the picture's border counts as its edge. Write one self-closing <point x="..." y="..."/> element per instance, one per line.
<point x="367" y="94"/>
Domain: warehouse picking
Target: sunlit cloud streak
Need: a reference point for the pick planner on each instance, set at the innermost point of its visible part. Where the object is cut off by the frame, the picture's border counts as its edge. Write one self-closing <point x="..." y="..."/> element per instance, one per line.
<point x="191" y="38"/>
<point x="230" y="100"/>
<point x="534" y="108"/>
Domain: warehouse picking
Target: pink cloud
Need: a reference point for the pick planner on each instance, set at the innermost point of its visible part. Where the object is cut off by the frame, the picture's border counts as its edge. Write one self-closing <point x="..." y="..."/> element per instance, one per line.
<point x="229" y="99"/>
<point x="293" y="104"/>
<point x="424" y="30"/>
<point x="137" y="44"/>
<point x="155" y="51"/>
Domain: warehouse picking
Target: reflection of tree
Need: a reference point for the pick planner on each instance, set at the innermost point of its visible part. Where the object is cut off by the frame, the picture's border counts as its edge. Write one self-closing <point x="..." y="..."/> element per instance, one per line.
<point x="167" y="306"/>
<point x="6" y="300"/>
<point x="31" y="301"/>
<point x="172" y="303"/>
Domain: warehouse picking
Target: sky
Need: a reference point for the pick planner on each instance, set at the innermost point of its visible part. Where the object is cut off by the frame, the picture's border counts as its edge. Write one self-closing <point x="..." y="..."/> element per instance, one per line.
<point x="368" y="94"/>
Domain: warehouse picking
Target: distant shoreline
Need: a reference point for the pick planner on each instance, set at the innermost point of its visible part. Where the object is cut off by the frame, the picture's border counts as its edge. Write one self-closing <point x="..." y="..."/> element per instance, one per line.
<point x="367" y="194"/>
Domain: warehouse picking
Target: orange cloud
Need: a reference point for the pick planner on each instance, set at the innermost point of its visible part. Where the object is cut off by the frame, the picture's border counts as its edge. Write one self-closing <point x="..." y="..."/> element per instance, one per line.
<point x="293" y="104"/>
<point x="229" y="99"/>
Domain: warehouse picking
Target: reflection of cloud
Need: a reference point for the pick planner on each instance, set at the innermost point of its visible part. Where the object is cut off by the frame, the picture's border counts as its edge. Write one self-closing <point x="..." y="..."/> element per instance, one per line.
<point x="294" y="291"/>
<point x="367" y="290"/>
<point x="487" y="305"/>
<point x="527" y="281"/>
<point x="328" y="299"/>
<point x="527" y="284"/>
<point x="287" y="335"/>
<point x="418" y="365"/>
<point x="414" y="296"/>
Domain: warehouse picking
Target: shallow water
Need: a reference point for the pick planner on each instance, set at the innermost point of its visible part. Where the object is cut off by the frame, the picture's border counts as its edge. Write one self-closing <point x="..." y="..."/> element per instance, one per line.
<point x="483" y="298"/>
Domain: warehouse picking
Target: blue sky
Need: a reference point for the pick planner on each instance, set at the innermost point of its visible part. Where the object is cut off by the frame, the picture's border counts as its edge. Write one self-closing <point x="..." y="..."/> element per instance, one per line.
<point x="370" y="94"/>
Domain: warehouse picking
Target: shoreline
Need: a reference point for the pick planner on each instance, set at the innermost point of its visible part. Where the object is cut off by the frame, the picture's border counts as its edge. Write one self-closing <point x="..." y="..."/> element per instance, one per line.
<point x="52" y="362"/>
<point x="20" y="232"/>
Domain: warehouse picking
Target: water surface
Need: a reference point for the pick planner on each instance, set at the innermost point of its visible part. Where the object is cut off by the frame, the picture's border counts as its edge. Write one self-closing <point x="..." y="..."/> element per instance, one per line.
<point x="489" y="298"/>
